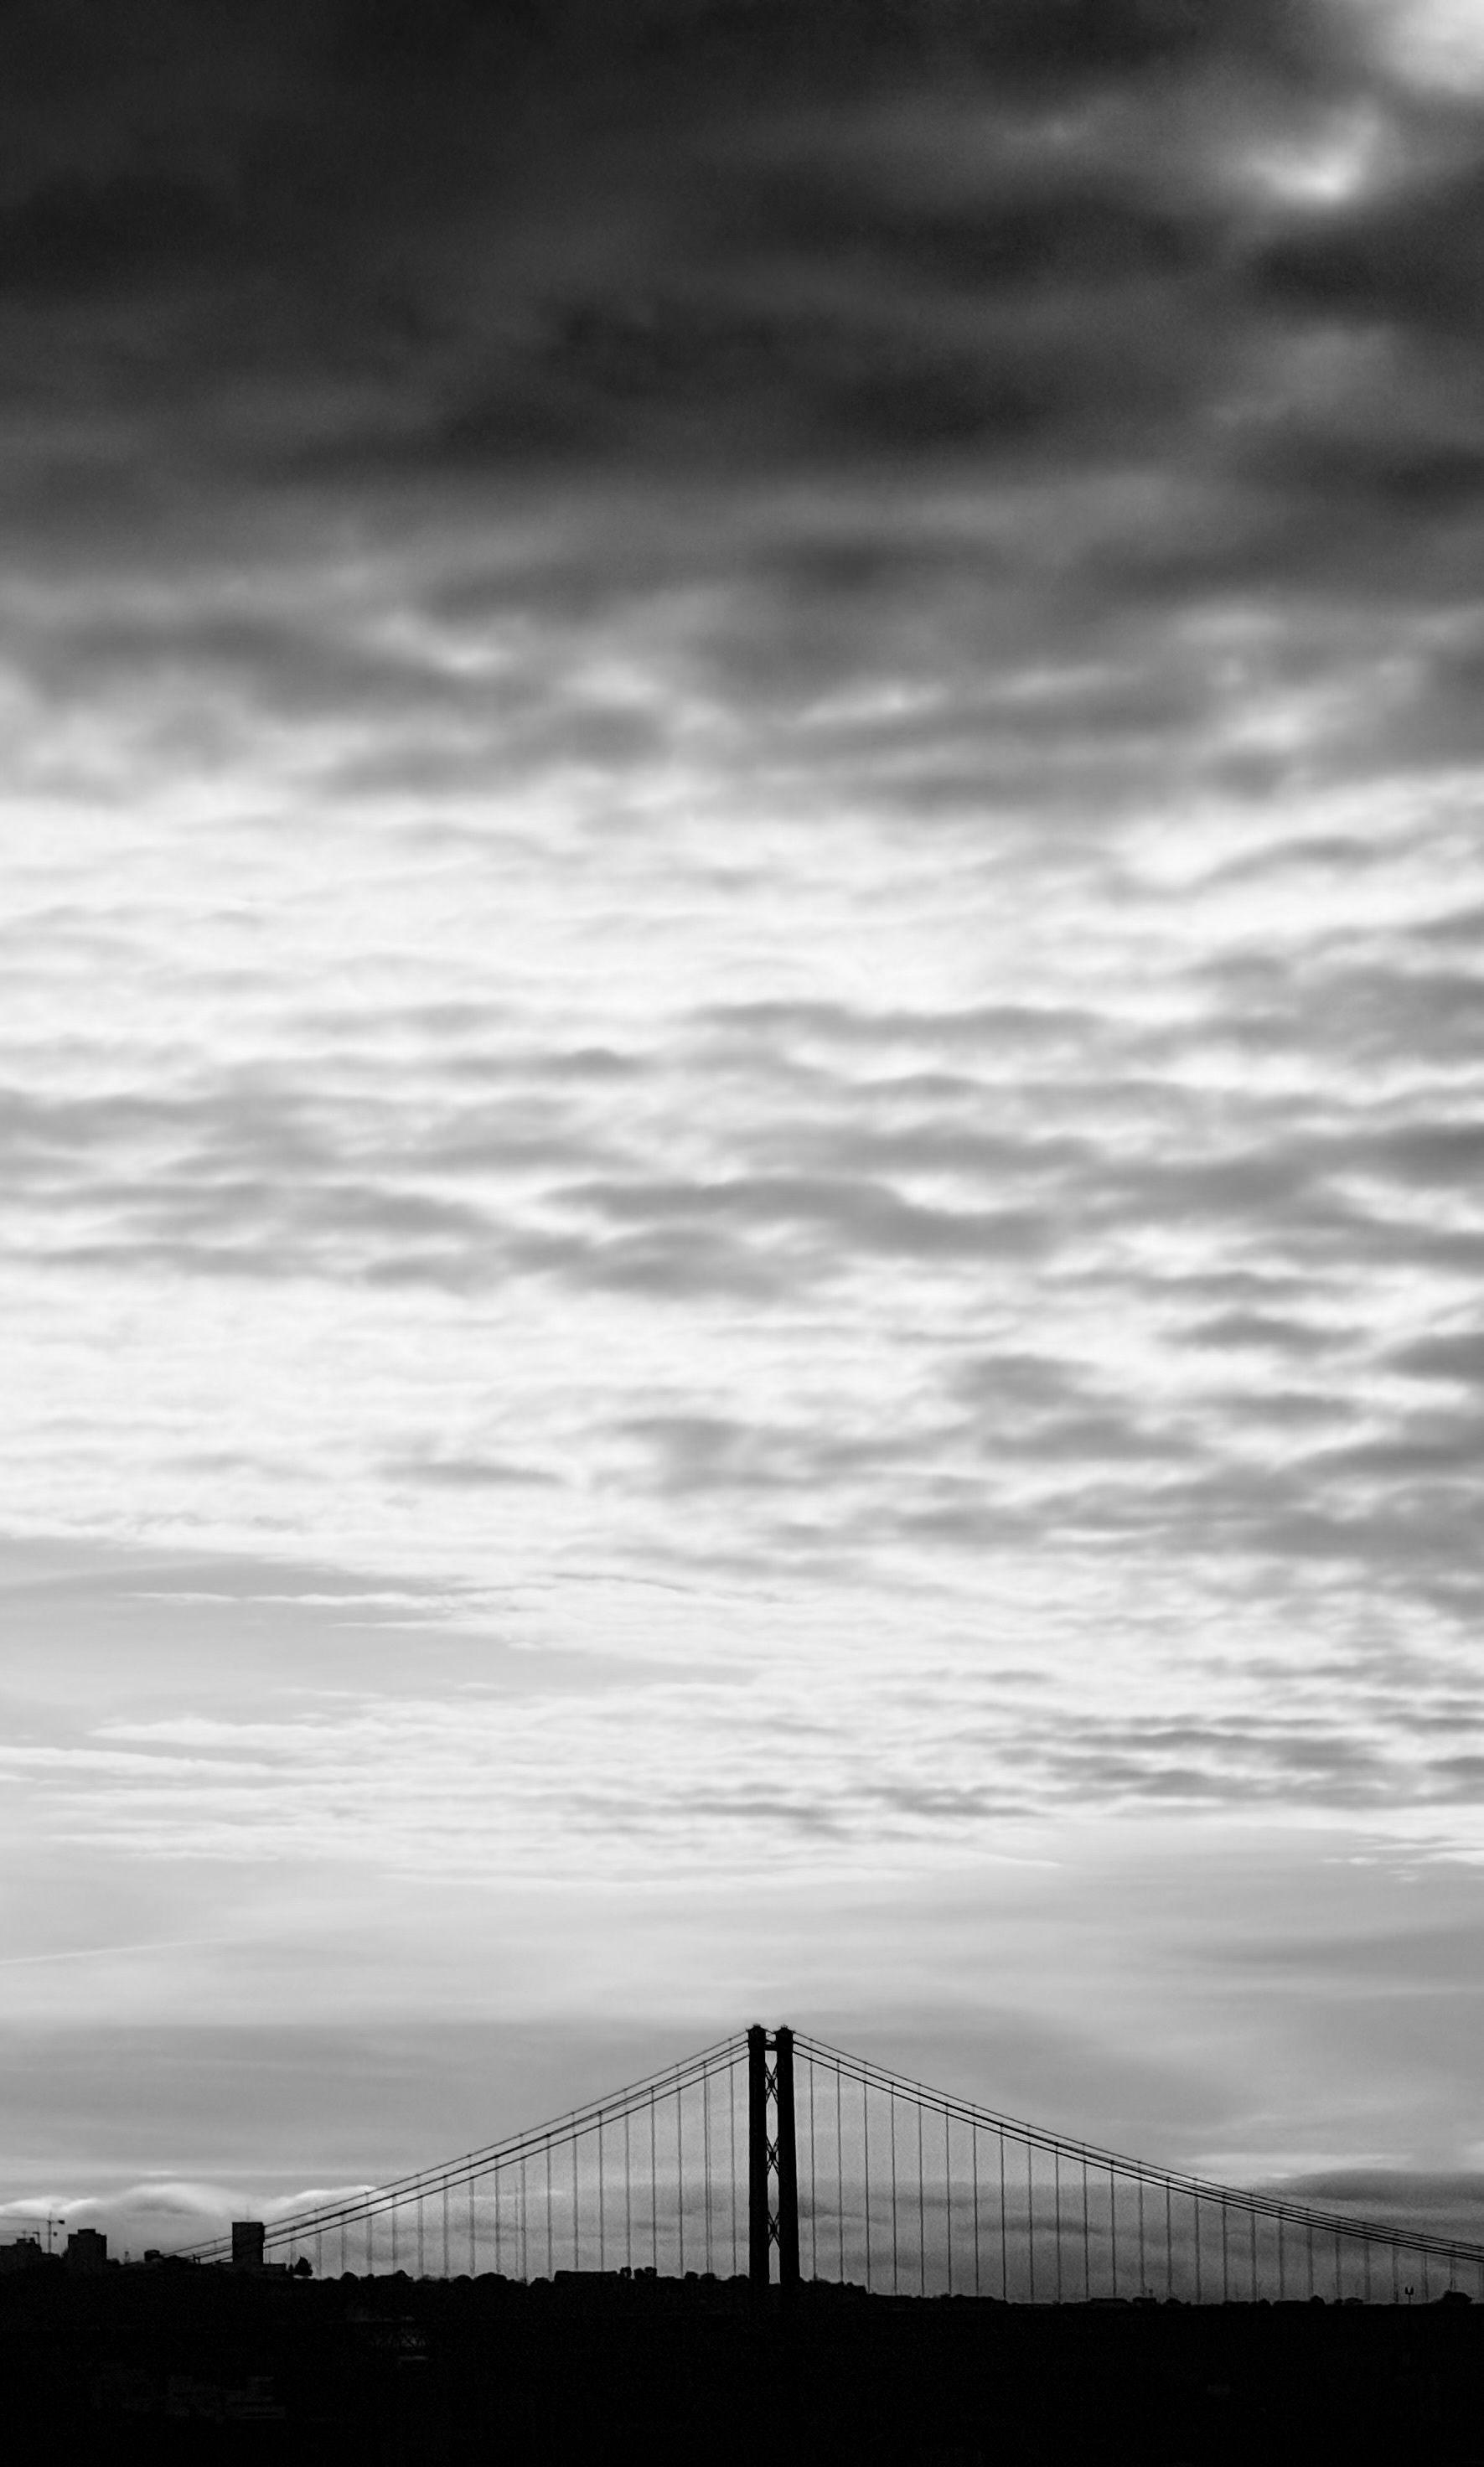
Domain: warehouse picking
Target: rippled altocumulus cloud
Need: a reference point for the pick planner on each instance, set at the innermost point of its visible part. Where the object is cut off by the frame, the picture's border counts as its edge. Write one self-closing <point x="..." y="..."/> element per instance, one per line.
<point x="743" y="920"/>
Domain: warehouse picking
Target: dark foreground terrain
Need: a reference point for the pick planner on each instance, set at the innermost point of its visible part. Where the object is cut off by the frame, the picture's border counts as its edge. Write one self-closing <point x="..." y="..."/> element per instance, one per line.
<point x="174" y="2362"/>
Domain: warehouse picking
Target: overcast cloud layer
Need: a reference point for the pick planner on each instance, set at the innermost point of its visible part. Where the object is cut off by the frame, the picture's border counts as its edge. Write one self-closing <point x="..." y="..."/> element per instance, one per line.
<point x="743" y="1025"/>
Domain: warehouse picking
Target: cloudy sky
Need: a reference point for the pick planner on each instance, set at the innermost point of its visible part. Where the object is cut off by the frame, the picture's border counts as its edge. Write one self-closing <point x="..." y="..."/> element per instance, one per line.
<point x="741" y="1069"/>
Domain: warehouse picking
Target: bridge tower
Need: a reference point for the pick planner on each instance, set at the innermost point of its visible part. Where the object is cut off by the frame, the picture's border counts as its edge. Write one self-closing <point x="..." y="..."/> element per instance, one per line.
<point x="773" y="2161"/>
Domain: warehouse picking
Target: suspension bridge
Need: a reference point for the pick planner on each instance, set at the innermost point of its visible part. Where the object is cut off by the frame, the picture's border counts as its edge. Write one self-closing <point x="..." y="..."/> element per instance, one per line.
<point x="776" y="2159"/>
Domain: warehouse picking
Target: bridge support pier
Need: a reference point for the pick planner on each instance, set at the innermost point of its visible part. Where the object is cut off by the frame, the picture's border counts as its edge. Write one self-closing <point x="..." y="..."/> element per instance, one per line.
<point x="772" y="2159"/>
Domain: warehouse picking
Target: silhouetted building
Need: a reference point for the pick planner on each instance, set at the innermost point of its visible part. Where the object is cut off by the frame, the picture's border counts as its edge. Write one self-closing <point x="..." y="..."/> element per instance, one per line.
<point x="247" y="2236"/>
<point x="86" y="2250"/>
<point x="25" y="2253"/>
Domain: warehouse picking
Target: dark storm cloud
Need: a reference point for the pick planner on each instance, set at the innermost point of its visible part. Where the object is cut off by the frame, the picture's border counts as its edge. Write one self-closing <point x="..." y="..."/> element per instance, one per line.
<point x="457" y="244"/>
<point x="658" y="297"/>
<point x="1412" y="263"/>
<point x="368" y="109"/>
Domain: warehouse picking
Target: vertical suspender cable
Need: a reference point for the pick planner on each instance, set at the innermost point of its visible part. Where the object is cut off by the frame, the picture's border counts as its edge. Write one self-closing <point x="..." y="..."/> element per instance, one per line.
<point x="679" y="2176"/>
<point x="1196" y="2208"/>
<point x="1142" y="2284"/>
<point x="602" y="2207"/>
<point x="654" y="2186"/>
<point x="1005" y="2231"/>
<point x="1030" y="2222"/>
<point x="865" y="2169"/>
<point x="705" y="2155"/>
<point x="814" y="2207"/>
<point x="1113" y="2225"/>
<point x="576" y="2257"/>
<point x="948" y="2199"/>
<point x="1087" y="2240"/>
<point x="839" y="2175"/>
<point x="1056" y="2210"/>
<point x="732" y="2158"/>
<point x="974" y="2153"/>
<point x="896" y="2267"/>
<point x="922" y="2211"/>
<point x="628" y="2196"/>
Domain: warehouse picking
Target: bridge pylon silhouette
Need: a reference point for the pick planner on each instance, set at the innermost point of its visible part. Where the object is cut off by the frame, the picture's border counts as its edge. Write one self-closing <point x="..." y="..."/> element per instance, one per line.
<point x="772" y="2159"/>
